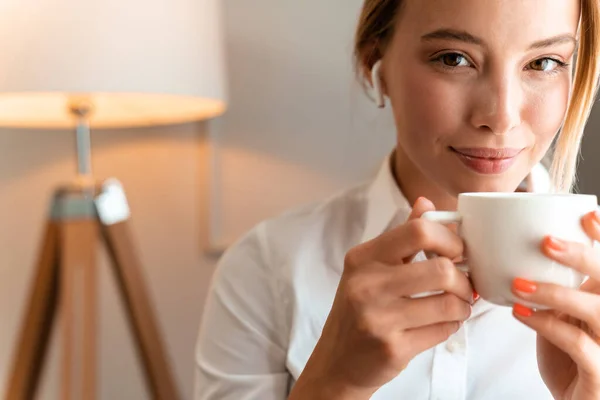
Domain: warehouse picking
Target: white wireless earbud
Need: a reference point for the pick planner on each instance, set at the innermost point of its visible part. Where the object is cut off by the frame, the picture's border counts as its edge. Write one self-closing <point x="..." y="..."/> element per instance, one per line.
<point x="376" y="80"/>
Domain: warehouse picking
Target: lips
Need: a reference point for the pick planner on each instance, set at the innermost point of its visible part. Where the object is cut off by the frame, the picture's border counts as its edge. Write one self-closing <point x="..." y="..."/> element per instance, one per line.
<point x="487" y="160"/>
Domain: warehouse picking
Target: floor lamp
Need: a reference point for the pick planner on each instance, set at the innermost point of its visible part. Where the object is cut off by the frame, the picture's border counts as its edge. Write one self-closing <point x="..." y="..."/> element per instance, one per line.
<point x="76" y="65"/>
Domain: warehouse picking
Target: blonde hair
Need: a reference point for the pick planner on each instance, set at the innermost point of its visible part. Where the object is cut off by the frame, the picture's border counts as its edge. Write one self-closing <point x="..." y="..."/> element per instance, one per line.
<point x="376" y="28"/>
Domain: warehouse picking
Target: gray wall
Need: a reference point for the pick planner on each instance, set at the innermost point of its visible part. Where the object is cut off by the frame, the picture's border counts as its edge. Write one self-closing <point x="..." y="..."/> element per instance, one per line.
<point x="589" y="167"/>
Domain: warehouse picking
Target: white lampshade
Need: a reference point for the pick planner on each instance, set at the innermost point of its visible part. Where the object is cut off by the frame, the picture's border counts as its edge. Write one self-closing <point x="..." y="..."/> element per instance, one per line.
<point x="140" y="62"/>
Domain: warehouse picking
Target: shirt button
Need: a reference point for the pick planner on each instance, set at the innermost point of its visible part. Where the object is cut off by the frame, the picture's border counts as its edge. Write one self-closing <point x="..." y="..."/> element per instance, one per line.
<point x="451" y="346"/>
<point x="454" y="345"/>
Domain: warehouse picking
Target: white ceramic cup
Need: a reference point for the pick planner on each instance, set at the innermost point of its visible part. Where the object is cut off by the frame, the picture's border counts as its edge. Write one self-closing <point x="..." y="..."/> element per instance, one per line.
<point x="503" y="233"/>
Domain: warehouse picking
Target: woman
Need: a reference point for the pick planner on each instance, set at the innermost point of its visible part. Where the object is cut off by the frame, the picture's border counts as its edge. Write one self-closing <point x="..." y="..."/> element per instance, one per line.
<point x="316" y="304"/>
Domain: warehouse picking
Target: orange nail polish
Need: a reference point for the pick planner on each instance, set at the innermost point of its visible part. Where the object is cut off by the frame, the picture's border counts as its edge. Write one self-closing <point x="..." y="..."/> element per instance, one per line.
<point x="475" y="295"/>
<point x="522" y="310"/>
<point x="555" y="244"/>
<point x="525" y="286"/>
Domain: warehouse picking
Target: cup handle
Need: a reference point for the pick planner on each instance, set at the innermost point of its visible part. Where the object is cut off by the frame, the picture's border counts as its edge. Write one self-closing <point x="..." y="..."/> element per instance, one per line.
<point x="443" y="217"/>
<point x="446" y="217"/>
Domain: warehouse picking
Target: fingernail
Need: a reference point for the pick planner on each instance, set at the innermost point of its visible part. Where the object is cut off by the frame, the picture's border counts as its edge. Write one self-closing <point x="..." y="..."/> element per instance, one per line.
<point x="522" y="310"/>
<point x="595" y="219"/>
<point x="524" y="286"/>
<point x="555" y="244"/>
<point x="475" y="295"/>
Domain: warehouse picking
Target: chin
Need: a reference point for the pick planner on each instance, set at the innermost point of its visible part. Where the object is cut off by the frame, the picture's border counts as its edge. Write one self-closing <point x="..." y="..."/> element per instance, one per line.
<point x="498" y="183"/>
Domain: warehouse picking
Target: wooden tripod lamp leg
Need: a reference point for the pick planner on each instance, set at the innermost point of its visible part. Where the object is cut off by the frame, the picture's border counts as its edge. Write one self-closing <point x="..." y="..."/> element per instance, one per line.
<point x="36" y="328"/>
<point x="74" y="213"/>
<point x="113" y="211"/>
<point x="78" y="307"/>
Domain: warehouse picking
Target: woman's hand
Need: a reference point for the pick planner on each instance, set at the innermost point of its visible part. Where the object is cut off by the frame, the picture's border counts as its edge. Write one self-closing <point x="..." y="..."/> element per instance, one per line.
<point x="568" y="336"/>
<point x="375" y="328"/>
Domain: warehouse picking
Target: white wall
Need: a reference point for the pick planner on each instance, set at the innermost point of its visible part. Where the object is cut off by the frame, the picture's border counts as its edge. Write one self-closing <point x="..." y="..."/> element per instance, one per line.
<point x="299" y="126"/>
<point x="298" y="129"/>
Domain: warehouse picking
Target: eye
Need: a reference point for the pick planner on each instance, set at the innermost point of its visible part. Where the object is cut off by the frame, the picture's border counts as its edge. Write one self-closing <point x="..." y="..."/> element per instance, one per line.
<point x="546" y="64"/>
<point x="454" y="60"/>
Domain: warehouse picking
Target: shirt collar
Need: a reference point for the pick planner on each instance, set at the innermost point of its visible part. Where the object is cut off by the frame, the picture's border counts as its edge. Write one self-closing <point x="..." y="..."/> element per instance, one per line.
<point x="385" y="202"/>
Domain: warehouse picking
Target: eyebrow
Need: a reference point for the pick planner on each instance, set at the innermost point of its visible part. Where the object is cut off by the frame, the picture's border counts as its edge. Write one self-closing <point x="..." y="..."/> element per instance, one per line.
<point x="452" y="34"/>
<point x="559" y="39"/>
<point x="463" y="36"/>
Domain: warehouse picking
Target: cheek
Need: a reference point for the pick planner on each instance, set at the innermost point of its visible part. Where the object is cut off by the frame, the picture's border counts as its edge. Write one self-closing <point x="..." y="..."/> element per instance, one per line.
<point x="545" y="111"/>
<point x="426" y="110"/>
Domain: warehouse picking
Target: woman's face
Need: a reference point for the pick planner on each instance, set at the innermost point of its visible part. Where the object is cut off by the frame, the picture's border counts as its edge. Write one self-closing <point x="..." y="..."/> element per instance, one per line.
<point x="479" y="88"/>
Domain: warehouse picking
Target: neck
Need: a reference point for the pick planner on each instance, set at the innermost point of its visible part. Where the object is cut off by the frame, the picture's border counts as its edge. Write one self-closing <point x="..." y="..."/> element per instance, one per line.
<point x="414" y="184"/>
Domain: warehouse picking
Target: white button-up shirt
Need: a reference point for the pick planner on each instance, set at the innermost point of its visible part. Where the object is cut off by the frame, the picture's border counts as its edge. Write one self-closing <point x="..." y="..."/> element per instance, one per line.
<point x="273" y="290"/>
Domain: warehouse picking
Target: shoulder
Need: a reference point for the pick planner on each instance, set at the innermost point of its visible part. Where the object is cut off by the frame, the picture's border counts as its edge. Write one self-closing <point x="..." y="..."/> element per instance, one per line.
<point x="328" y="221"/>
<point x="305" y="230"/>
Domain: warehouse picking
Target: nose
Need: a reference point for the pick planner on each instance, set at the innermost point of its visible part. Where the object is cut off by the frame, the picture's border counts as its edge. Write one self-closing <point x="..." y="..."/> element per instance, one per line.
<point x="497" y="107"/>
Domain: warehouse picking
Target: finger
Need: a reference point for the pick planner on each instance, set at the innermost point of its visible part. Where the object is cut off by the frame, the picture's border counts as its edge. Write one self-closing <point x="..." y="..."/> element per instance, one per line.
<point x="424" y="338"/>
<point x="582" y="258"/>
<point x="591" y="225"/>
<point x="399" y="245"/>
<point x="579" y="304"/>
<point x="416" y="313"/>
<point x="572" y="340"/>
<point x="437" y="274"/>
<point x="421" y="206"/>
<point x="591" y="286"/>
